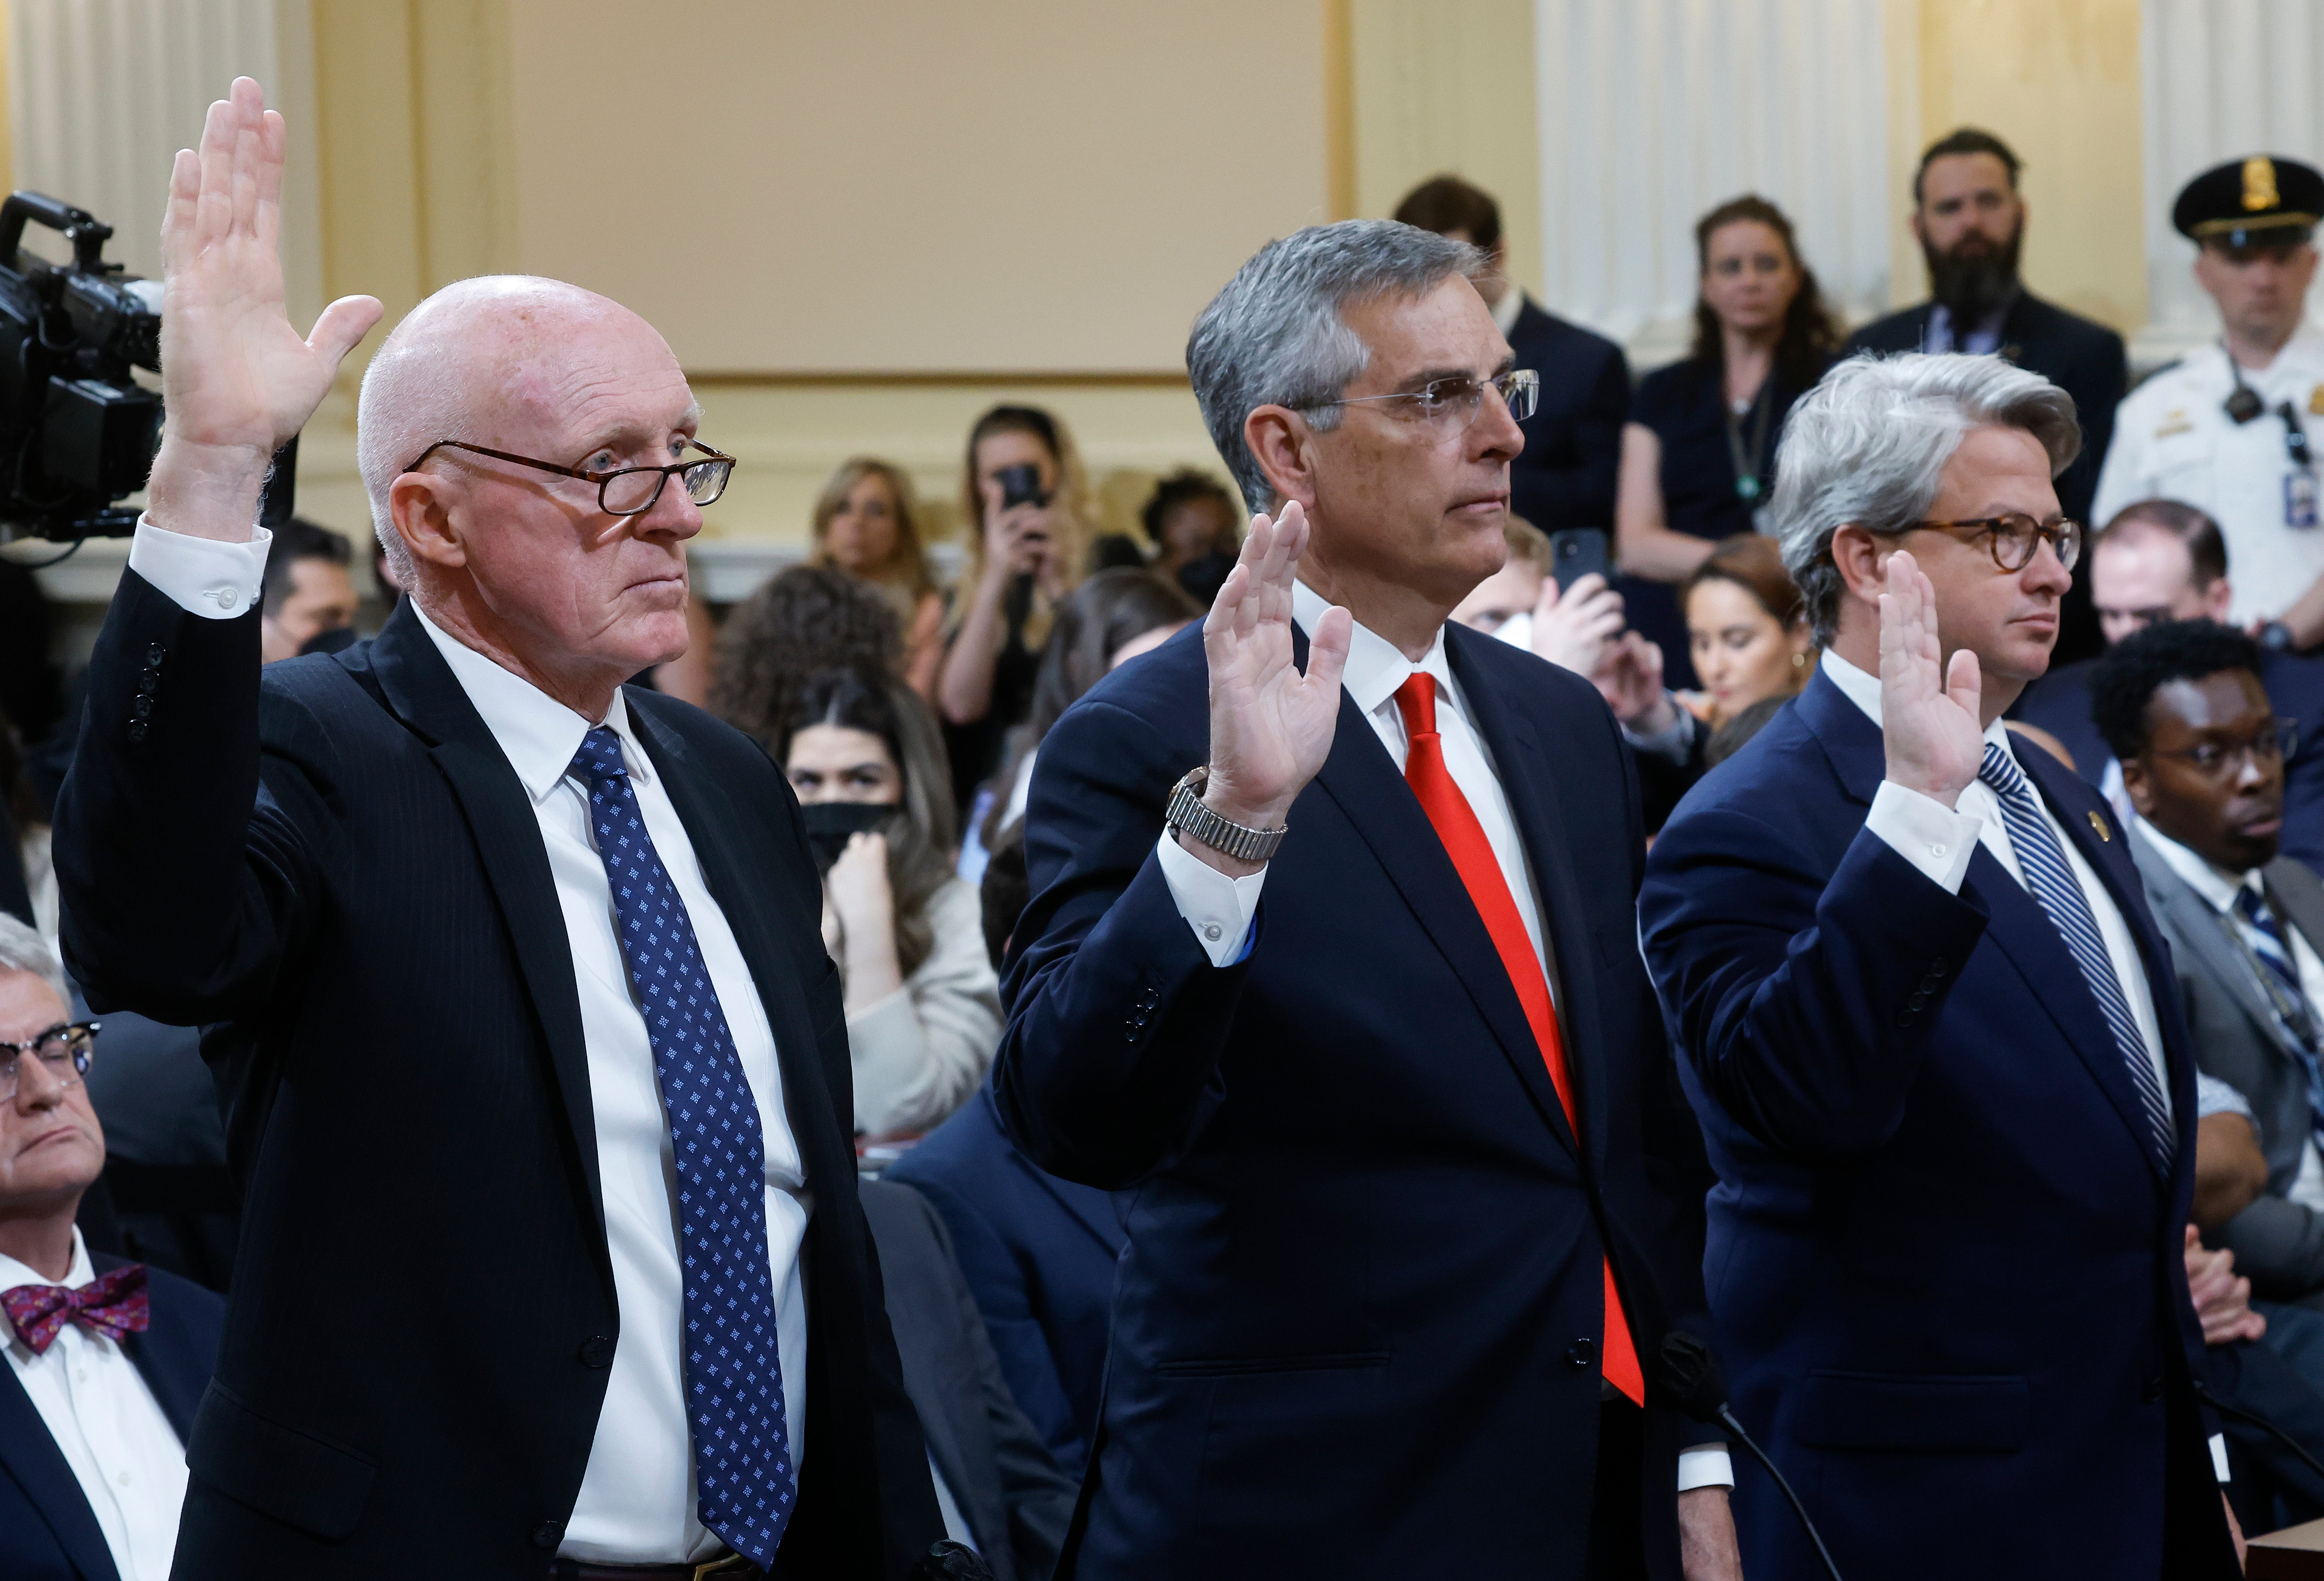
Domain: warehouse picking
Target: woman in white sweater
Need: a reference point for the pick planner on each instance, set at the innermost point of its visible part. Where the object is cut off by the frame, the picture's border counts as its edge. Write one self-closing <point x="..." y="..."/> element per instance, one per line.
<point x="923" y="1003"/>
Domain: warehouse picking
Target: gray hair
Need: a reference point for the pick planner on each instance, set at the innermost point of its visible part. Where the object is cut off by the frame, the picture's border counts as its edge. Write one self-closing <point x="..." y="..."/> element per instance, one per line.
<point x="22" y="949"/>
<point x="1868" y="445"/>
<point x="1275" y="337"/>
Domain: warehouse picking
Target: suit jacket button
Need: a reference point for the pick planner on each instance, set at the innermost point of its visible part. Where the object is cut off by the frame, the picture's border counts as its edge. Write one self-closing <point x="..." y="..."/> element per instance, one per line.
<point x="137" y="728"/>
<point x="596" y="1351"/>
<point x="141" y="708"/>
<point x="2151" y="1391"/>
<point x="548" y="1534"/>
<point x="1581" y="1352"/>
<point x="153" y="654"/>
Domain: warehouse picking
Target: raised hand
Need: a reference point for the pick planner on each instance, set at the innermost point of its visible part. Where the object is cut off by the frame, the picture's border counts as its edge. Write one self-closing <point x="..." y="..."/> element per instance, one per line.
<point x="237" y="380"/>
<point x="1573" y="627"/>
<point x="1930" y="715"/>
<point x="1272" y="726"/>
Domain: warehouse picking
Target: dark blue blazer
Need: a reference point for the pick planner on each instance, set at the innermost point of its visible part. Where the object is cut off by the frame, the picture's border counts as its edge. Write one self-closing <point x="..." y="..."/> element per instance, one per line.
<point x="2059" y="703"/>
<point x="47" y="1530"/>
<point x="1038" y="1254"/>
<point x="1947" y="1271"/>
<point x="1564" y="476"/>
<point x="1356" y="1330"/>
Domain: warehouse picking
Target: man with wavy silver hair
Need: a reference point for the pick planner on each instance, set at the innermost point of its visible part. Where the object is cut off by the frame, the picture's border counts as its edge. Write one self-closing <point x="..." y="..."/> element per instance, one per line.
<point x="1933" y="1037"/>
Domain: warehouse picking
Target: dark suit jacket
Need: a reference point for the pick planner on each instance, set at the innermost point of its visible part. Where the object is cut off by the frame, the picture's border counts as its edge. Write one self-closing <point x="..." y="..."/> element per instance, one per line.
<point x="2088" y="360"/>
<point x="1017" y="1500"/>
<point x="2059" y="703"/>
<point x="1947" y="1273"/>
<point x="336" y="862"/>
<point x="1564" y="477"/>
<point x="1039" y="1256"/>
<point x="2277" y="1243"/>
<point x="47" y="1530"/>
<point x="1356" y="1328"/>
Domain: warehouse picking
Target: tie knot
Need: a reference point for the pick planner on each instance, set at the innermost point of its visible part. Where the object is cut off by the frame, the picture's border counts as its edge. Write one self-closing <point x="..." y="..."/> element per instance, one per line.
<point x="600" y="757"/>
<point x="2253" y="908"/>
<point x="2001" y="772"/>
<point x="1416" y="699"/>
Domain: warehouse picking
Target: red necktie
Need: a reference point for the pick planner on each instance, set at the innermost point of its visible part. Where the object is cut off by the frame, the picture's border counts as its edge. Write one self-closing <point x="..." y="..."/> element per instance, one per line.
<point x="113" y="1305"/>
<point x="1480" y="874"/>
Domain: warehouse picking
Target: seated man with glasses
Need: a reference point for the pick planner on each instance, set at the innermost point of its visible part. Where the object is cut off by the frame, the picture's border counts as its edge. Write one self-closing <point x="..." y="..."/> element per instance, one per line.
<point x="535" y="1068"/>
<point x="1934" y="1039"/>
<point x="108" y="1360"/>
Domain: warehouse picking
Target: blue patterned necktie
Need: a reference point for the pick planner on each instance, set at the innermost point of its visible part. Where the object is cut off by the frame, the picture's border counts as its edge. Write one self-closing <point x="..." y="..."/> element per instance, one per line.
<point x="2052" y="879"/>
<point x="733" y="1375"/>
<point x="2278" y="980"/>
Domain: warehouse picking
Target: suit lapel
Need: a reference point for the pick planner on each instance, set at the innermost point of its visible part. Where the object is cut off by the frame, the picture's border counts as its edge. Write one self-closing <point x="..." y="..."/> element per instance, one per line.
<point x="1360" y="777"/>
<point x="424" y="693"/>
<point x="30" y="1455"/>
<point x="2201" y="931"/>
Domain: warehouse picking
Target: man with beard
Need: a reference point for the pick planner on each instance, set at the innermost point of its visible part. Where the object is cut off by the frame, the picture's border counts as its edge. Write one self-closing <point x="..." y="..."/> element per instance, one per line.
<point x="1970" y="219"/>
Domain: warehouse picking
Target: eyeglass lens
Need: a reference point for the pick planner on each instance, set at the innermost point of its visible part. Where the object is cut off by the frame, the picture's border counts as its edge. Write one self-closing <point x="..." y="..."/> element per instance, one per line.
<point x="65" y="1055"/>
<point x="630" y="492"/>
<point x="2015" y="539"/>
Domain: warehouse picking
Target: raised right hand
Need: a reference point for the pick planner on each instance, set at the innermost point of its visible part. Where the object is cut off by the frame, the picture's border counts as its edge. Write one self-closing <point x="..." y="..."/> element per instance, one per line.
<point x="1930" y="717"/>
<point x="1272" y="726"/>
<point x="1573" y="627"/>
<point x="237" y="380"/>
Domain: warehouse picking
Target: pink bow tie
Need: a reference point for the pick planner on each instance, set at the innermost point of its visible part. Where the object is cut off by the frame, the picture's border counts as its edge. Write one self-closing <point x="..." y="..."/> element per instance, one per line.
<point x="113" y="1305"/>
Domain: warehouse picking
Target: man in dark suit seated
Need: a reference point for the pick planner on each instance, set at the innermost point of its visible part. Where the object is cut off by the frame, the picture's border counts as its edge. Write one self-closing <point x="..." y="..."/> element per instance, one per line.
<point x="1969" y="218"/>
<point x="1933" y="1037"/>
<point x="107" y="1359"/>
<point x="601" y="1298"/>
<point x="2158" y="560"/>
<point x="1411" y="1200"/>
<point x="1565" y="474"/>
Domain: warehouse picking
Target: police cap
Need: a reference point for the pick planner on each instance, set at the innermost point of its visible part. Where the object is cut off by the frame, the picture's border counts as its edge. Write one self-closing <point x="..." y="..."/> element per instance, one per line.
<point x="2255" y="202"/>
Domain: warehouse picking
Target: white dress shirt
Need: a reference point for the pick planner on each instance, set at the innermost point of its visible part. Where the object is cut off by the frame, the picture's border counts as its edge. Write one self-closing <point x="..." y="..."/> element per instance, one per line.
<point x="109" y="1428"/>
<point x="2220" y="889"/>
<point x="638" y="1502"/>
<point x="1219" y="908"/>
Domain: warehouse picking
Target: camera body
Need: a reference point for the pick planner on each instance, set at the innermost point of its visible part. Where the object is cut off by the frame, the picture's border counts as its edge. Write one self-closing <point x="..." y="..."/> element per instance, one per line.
<point x="78" y="431"/>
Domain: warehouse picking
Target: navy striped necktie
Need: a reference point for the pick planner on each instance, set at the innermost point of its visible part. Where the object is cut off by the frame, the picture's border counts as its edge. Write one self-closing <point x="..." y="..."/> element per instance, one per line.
<point x="2052" y="879"/>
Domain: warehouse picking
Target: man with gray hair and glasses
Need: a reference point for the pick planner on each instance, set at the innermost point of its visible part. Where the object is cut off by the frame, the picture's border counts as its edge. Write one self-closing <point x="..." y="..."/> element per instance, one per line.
<point x="1333" y="971"/>
<point x="1934" y="1039"/>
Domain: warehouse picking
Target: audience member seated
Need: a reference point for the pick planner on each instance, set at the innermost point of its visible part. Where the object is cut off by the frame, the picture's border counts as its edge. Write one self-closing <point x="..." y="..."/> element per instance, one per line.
<point x="2164" y="560"/>
<point x="867" y="522"/>
<point x="106" y="1360"/>
<point x="2201" y="751"/>
<point x="1000" y="1490"/>
<point x="800" y="623"/>
<point x="923" y="1003"/>
<point x="1196" y="528"/>
<point x="1699" y="451"/>
<point x="1038" y="1252"/>
<point x="308" y="597"/>
<point x="1023" y="559"/>
<point x="1564" y="476"/>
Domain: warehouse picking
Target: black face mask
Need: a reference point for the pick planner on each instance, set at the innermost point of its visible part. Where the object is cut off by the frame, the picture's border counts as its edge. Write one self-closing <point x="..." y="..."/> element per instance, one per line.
<point x="831" y="823"/>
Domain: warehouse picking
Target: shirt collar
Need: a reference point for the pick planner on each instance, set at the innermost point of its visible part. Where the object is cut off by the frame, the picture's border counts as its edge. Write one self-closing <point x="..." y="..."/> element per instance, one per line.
<point x="536" y="732"/>
<point x="1506" y="311"/>
<point x="1376" y="666"/>
<point x="1864" y="691"/>
<point x="2215" y="886"/>
<point x="14" y="1273"/>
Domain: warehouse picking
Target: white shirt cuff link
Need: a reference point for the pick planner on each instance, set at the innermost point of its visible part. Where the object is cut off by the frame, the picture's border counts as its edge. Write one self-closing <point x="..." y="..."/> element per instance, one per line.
<point x="1926" y="832"/>
<point x="1705" y="1468"/>
<point x="201" y="576"/>
<point x="1219" y="908"/>
<point x="2219" y="1456"/>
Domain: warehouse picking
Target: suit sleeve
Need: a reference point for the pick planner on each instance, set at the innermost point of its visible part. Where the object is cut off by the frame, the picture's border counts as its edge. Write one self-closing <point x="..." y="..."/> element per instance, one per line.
<point x="1106" y="1072"/>
<point x="1580" y="493"/>
<point x="183" y="856"/>
<point x="1802" y="1004"/>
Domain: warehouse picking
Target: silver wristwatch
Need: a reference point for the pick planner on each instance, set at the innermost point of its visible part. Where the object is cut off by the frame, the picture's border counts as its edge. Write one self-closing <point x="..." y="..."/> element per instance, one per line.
<point x="1190" y="818"/>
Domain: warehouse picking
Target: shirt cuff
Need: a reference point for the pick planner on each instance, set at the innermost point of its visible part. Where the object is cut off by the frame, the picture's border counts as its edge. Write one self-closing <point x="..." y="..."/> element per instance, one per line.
<point x="1926" y="832"/>
<point x="1219" y="908"/>
<point x="201" y="576"/>
<point x="1705" y="1468"/>
<point x="1673" y="742"/>
<point x="2219" y="1456"/>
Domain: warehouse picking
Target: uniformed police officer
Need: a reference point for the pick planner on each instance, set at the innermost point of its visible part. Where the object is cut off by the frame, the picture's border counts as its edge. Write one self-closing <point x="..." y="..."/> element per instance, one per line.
<point x="2229" y="430"/>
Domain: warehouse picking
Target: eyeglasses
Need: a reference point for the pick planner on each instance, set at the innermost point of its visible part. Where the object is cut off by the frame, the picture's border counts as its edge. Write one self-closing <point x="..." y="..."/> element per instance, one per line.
<point x="1451" y="405"/>
<point x="68" y="1044"/>
<point x="629" y="492"/>
<point x="2277" y="741"/>
<point x="2015" y="538"/>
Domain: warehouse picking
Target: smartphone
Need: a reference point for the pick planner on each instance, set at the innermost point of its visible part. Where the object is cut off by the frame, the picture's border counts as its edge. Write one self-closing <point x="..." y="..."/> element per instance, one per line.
<point x="1020" y="485"/>
<point x="1577" y="551"/>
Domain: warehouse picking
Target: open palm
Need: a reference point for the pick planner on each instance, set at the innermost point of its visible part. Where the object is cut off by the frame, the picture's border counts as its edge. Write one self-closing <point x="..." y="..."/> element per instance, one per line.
<point x="1930" y="715"/>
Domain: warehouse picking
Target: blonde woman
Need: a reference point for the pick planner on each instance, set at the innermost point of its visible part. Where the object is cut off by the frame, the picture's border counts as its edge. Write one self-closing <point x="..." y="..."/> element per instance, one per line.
<point x="867" y="522"/>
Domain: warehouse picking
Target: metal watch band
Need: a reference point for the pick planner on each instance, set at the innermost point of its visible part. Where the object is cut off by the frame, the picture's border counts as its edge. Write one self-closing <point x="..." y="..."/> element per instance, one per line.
<point x="1189" y="817"/>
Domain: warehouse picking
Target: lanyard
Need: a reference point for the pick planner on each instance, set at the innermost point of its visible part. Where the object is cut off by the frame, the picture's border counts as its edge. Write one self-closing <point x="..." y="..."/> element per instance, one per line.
<point x="1748" y="464"/>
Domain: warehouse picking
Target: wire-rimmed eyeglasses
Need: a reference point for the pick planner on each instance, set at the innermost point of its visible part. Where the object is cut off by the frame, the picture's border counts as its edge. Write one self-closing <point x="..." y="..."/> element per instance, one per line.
<point x="1451" y="405"/>
<point x="2273" y="742"/>
<point x="630" y="491"/>
<point x="2013" y="538"/>
<point x="66" y="1048"/>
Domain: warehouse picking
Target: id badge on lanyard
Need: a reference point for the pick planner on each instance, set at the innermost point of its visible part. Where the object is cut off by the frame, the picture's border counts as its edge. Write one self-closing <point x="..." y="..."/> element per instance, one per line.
<point x="2299" y="498"/>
